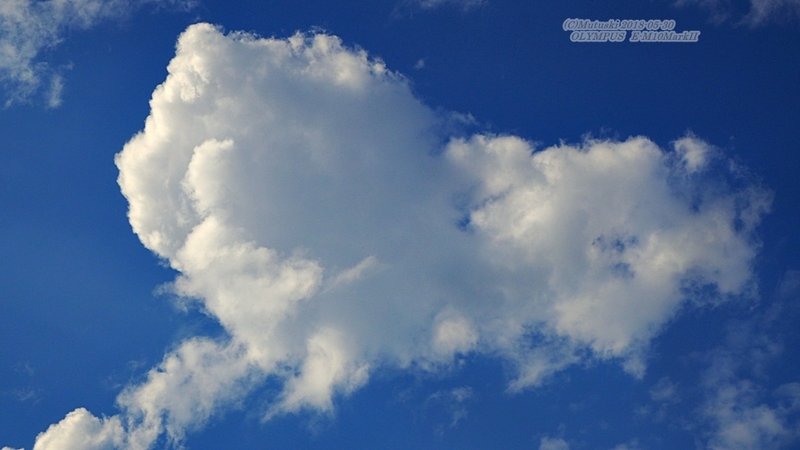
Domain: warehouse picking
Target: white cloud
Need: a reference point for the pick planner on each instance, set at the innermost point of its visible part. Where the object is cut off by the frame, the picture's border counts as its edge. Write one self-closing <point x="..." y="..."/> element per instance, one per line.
<point x="56" y="91"/>
<point x="326" y="368"/>
<point x="453" y="333"/>
<point x="185" y="390"/>
<point x="304" y="196"/>
<point x="608" y="229"/>
<point x="30" y="27"/>
<point x="693" y="153"/>
<point x="81" y="430"/>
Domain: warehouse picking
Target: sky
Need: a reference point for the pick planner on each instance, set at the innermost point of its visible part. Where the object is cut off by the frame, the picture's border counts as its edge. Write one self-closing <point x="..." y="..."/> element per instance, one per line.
<point x="399" y="224"/>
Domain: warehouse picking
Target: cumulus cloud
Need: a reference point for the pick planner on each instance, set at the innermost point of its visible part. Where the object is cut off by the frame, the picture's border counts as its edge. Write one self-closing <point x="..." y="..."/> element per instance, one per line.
<point x="81" y="430"/>
<point x="310" y="205"/>
<point x="30" y="27"/>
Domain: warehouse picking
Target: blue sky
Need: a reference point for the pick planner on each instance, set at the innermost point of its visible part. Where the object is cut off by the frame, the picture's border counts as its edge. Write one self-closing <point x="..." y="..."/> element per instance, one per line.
<point x="397" y="224"/>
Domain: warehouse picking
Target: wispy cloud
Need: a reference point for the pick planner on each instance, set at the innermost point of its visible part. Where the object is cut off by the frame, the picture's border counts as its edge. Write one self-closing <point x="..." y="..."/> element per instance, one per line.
<point x="410" y="7"/>
<point x="757" y="12"/>
<point x="29" y="28"/>
<point x="462" y="4"/>
<point x="742" y="413"/>
<point x="306" y="199"/>
<point x="453" y="403"/>
<point x="741" y="408"/>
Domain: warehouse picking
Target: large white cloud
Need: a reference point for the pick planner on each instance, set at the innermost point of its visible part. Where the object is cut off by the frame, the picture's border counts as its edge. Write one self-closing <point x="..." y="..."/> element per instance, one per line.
<point x="309" y="204"/>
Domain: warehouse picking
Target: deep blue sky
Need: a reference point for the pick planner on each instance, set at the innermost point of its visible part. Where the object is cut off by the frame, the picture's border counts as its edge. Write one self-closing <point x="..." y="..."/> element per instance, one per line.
<point x="80" y="317"/>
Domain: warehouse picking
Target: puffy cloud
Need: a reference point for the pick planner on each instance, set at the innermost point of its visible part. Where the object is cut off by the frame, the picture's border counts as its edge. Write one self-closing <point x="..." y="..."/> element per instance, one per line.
<point x="611" y="233"/>
<point x="327" y="366"/>
<point x="185" y="390"/>
<point x="81" y="430"/>
<point x="306" y="199"/>
<point x="693" y="153"/>
<point x="30" y="27"/>
<point x="453" y="334"/>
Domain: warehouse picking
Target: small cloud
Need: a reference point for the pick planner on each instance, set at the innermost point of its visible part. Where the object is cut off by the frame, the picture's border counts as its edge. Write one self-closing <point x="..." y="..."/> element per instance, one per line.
<point x="55" y="91"/>
<point x="664" y="391"/>
<point x="466" y="5"/>
<point x="788" y="396"/>
<point x="408" y="7"/>
<point x="454" y="404"/>
<point x="24" y="368"/>
<point x="420" y="64"/>
<point x="630" y="445"/>
<point x="354" y="273"/>
<point x="453" y="333"/>
<point x="27" y="395"/>
<point x="789" y="286"/>
<point x="693" y="153"/>
<point x="759" y="12"/>
<point x="550" y="443"/>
